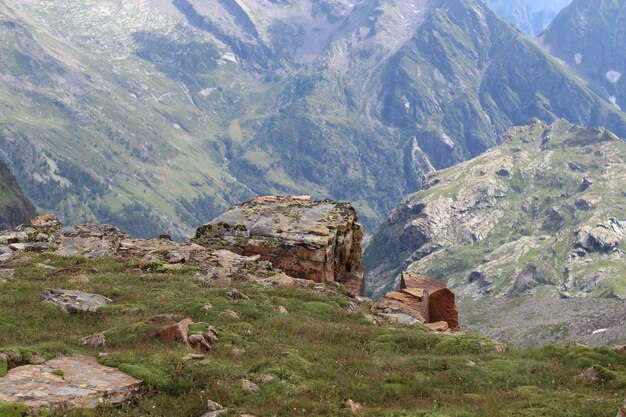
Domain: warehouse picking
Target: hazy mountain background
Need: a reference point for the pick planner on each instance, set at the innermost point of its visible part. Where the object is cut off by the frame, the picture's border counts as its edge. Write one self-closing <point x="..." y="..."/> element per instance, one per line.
<point x="157" y="115"/>
<point x="529" y="16"/>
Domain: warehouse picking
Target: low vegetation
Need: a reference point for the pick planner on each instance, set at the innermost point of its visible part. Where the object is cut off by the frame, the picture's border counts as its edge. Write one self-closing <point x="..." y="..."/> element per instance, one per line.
<point x="319" y="353"/>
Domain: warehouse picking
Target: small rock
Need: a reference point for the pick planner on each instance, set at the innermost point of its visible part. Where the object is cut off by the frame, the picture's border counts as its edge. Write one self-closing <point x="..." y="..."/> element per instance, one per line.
<point x="79" y="279"/>
<point x="281" y="310"/>
<point x="7" y="273"/>
<point x="622" y="411"/>
<point x="500" y="348"/>
<point x="249" y="385"/>
<point x="471" y="364"/>
<point x="353" y="406"/>
<point x="46" y="267"/>
<point x="213" y="406"/>
<point x="399" y="318"/>
<point x="194" y="357"/>
<point x="75" y="301"/>
<point x="230" y="313"/>
<point x="215" y="413"/>
<point x="238" y="351"/>
<point x="96" y="341"/>
<point x="247" y="415"/>
<point x="46" y="222"/>
<point x="207" y="307"/>
<point x="621" y="349"/>
<point x="352" y="307"/>
<point x="235" y="294"/>
<point x="440" y="326"/>
<point x="178" y="257"/>
<point x="264" y="379"/>
<point x="36" y="359"/>
<point x="591" y="375"/>
<point x="18" y="246"/>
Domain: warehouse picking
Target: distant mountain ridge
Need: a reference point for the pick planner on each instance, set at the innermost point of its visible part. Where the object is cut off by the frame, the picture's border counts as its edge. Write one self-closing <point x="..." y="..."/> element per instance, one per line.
<point x="590" y="37"/>
<point x="529" y="16"/>
<point x="157" y="115"/>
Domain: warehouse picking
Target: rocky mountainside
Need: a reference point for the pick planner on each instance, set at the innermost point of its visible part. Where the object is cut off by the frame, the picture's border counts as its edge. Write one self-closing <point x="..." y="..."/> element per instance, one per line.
<point x="529" y="16"/>
<point x="158" y="115"/>
<point x="94" y="322"/>
<point x="543" y="215"/>
<point x="14" y="207"/>
<point x="589" y="37"/>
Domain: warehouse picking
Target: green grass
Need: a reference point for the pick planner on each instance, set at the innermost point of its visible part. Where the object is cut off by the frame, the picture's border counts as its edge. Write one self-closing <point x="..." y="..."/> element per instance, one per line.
<point x="320" y="354"/>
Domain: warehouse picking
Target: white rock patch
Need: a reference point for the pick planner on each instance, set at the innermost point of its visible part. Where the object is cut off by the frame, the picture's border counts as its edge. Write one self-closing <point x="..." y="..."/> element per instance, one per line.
<point x="613" y="76"/>
<point x="599" y="331"/>
<point x="578" y="58"/>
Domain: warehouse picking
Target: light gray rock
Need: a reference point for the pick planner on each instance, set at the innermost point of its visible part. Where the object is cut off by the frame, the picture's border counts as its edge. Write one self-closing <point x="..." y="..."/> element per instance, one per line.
<point x="7" y="273"/>
<point x="75" y="301"/>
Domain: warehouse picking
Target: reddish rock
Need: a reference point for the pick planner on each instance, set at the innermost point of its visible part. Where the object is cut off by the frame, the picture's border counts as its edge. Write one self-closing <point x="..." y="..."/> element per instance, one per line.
<point x="414" y="305"/>
<point x="46" y="222"/>
<point x="314" y="240"/>
<point x="440" y="326"/>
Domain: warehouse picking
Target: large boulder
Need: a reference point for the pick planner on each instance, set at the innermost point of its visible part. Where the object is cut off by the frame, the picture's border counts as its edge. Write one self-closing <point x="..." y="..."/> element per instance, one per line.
<point x="426" y="299"/>
<point x="314" y="240"/>
<point x="70" y="382"/>
<point x="89" y="240"/>
<point x="75" y="301"/>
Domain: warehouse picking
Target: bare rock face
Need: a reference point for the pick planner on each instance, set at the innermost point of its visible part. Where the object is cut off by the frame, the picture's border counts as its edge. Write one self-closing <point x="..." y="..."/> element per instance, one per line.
<point x="314" y="240"/>
<point x="427" y="300"/>
<point x="71" y="382"/>
<point x="75" y="301"/>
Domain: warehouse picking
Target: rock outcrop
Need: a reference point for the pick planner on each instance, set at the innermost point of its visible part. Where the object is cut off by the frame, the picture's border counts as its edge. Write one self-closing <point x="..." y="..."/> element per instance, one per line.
<point x="72" y="382"/>
<point x="75" y="301"/>
<point x="425" y="299"/>
<point x="543" y="214"/>
<point x="308" y="239"/>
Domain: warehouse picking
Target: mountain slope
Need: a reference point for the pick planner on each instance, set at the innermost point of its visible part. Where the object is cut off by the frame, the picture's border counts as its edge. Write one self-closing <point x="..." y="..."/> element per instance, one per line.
<point x="14" y="207"/>
<point x="589" y="36"/>
<point x="160" y="115"/>
<point x="542" y="215"/>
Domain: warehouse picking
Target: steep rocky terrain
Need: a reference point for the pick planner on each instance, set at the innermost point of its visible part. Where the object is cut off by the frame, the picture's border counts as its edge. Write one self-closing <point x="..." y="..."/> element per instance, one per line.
<point x="14" y="207"/>
<point x="93" y="322"/>
<point x="589" y="37"/>
<point x="157" y="116"/>
<point x="529" y="16"/>
<point x="541" y="216"/>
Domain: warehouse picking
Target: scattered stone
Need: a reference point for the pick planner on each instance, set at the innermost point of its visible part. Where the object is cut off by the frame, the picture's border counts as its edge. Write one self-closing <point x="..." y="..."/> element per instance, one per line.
<point x="281" y="310"/>
<point x="75" y="301"/>
<point x="440" y="326"/>
<point x="247" y="415"/>
<point x="178" y="257"/>
<point x="193" y="357"/>
<point x="500" y="347"/>
<point x="235" y="294"/>
<point x="591" y="375"/>
<point x="84" y="384"/>
<point x="398" y="318"/>
<point x="352" y="307"/>
<point x="18" y="246"/>
<point x="622" y="411"/>
<point x="353" y="406"/>
<point x="7" y="273"/>
<point x="47" y="223"/>
<point x="264" y="379"/>
<point x="213" y="406"/>
<point x="602" y="238"/>
<point x="230" y="313"/>
<point x="471" y="364"/>
<point x="96" y="341"/>
<point x="308" y="239"/>
<point x="249" y="385"/>
<point x="207" y="306"/>
<point x="621" y="349"/>
<point x="174" y="333"/>
<point x="79" y="279"/>
<point x="45" y="266"/>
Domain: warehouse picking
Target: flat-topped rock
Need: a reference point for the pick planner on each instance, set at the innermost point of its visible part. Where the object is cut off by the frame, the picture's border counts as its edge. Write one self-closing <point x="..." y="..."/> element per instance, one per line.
<point x="71" y="382"/>
<point x="305" y="238"/>
<point x="75" y="301"/>
<point x="89" y="240"/>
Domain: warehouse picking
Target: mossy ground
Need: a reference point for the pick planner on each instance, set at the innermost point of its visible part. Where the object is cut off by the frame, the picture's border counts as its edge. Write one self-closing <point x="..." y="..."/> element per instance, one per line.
<point x="319" y="353"/>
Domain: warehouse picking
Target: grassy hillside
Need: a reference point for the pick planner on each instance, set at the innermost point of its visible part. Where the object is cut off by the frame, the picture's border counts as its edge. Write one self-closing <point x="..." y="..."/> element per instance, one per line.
<point x="319" y="353"/>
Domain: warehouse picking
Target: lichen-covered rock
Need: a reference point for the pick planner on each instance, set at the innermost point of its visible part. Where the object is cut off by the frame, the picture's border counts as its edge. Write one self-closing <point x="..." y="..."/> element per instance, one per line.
<point x="315" y="240"/>
<point x="75" y="301"/>
<point x="79" y="382"/>
<point x="89" y="240"/>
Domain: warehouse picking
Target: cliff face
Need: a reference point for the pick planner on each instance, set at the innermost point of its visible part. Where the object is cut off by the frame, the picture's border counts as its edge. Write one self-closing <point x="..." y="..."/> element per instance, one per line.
<point x="14" y="207"/>
<point x="315" y="240"/>
<point x="541" y="215"/>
